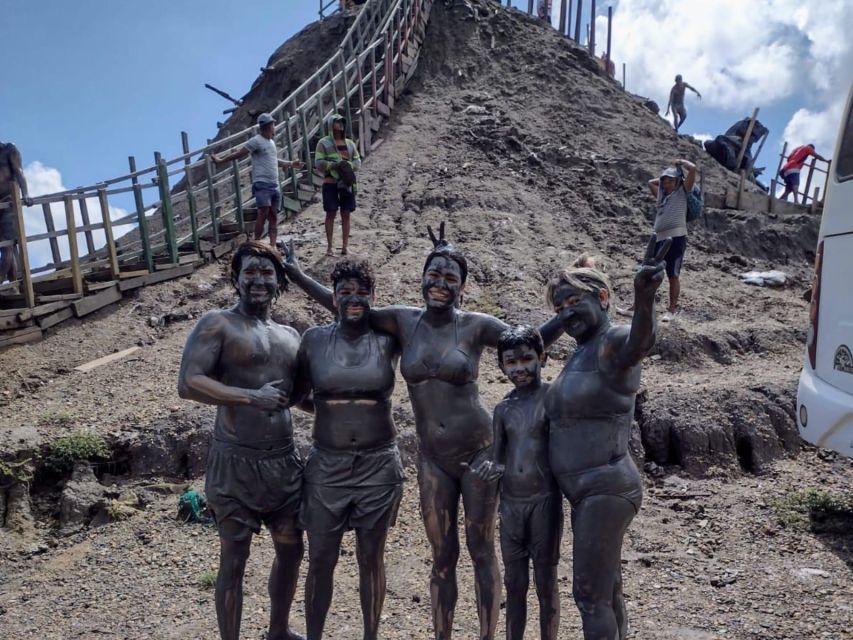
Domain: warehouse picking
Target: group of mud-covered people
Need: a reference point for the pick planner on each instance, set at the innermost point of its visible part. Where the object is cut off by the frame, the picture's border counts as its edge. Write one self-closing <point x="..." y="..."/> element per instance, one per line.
<point x="544" y="442"/>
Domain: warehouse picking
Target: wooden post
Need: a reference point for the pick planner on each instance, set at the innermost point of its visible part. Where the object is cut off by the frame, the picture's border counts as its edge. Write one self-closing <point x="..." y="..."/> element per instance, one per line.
<point x="740" y="188"/>
<point x="374" y="92"/>
<point x="363" y="123"/>
<point x="191" y="203"/>
<point x="211" y="198"/>
<point x="826" y="178"/>
<point x="562" y="23"/>
<point x="294" y="182"/>
<point x="238" y="195"/>
<point x="140" y="216"/>
<point x="609" y="33"/>
<point x="84" y="215"/>
<point x="389" y="54"/>
<point x="757" y="152"/>
<point x="26" y="275"/>
<point x="73" y="254"/>
<point x="166" y="208"/>
<point x="592" y="29"/>
<point x="809" y="179"/>
<point x="568" y="31"/>
<point x="771" y="201"/>
<point x="814" y="199"/>
<point x="49" y="225"/>
<point x="746" y="139"/>
<point x="530" y="7"/>
<point x="112" y="257"/>
<point x="624" y="85"/>
<point x="782" y="157"/>
<point x="347" y="110"/>
<point x="306" y="141"/>
<point x="578" y="21"/>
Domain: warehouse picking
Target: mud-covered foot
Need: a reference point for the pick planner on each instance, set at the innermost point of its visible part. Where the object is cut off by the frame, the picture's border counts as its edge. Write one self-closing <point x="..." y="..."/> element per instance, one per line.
<point x="290" y="634"/>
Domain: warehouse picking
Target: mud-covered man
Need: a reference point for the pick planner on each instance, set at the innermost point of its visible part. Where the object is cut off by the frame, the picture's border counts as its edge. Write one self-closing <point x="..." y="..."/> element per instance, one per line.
<point x="10" y="173"/>
<point x="531" y="507"/>
<point x="353" y="477"/>
<point x="676" y="101"/>
<point x="242" y="361"/>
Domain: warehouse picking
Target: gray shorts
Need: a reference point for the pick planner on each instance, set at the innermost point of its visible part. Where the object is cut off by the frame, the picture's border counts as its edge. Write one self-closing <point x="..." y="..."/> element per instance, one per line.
<point x="8" y="225"/>
<point x="267" y="194"/>
<point x="531" y="528"/>
<point x="253" y="486"/>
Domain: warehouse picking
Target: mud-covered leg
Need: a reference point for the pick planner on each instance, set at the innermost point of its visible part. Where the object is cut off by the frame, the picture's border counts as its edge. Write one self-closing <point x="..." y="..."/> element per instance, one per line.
<point x="516" y="580"/>
<point x="235" y="544"/>
<point x="481" y="507"/>
<point x="323" y="552"/>
<point x="370" y="552"/>
<point x="545" y="575"/>
<point x="619" y="608"/>
<point x="287" y="539"/>
<point x="439" y="495"/>
<point x="599" y="525"/>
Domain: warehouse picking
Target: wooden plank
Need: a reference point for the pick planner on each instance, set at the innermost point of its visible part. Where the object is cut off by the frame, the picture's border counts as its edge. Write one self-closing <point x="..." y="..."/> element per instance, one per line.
<point x="291" y="204"/>
<point x="59" y="297"/>
<point x="383" y="108"/>
<point x="157" y="276"/>
<point x="23" y="254"/>
<point x="13" y="312"/>
<point x="97" y="286"/>
<point x="305" y="195"/>
<point x="188" y="259"/>
<point x="12" y="322"/>
<point x="376" y="124"/>
<point x="118" y="355"/>
<point x="50" y="307"/>
<point x="92" y="303"/>
<point x="70" y="225"/>
<point x="48" y="223"/>
<point x="55" y="318"/>
<point x="112" y="258"/>
<point x="133" y="274"/>
<point x="21" y="336"/>
<point x="84" y="214"/>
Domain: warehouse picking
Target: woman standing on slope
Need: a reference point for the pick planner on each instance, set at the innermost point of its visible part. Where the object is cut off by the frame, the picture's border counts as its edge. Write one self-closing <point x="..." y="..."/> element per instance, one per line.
<point x="590" y="407"/>
<point x="440" y="357"/>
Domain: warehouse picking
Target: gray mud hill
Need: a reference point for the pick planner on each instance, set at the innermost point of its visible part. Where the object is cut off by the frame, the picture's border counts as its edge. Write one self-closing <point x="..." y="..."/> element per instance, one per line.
<point x="510" y="135"/>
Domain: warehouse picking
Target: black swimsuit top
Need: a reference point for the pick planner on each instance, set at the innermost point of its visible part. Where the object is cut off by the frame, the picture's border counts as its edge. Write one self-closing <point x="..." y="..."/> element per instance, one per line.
<point x="372" y="377"/>
<point x="423" y="362"/>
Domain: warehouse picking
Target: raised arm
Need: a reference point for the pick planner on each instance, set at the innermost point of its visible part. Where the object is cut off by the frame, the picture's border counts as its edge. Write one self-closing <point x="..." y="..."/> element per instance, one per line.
<point x="654" y="185"/>
<point x="300" y="395"/>
<point x="690" y="178"/>
<point x="201" y="354"/>
<point x="641" y="337"/>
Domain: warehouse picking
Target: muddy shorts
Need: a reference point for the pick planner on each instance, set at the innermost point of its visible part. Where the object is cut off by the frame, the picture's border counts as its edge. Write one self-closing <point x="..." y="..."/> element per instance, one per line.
<point x="680" y="110"/>
<point x="674" y="256"/>
<point x="619" y="477"/>
<point x="253" y="486"/>
<point x="351" y="489"/>
<point x="267" y="194"/>
<point x="531" y="528"/>
<point x="8" y="225"/>
<point x="334" y="198"/>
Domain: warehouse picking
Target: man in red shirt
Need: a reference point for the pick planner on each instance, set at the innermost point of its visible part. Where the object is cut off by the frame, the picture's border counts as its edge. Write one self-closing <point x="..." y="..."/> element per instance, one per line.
<point x="790" y="172"/>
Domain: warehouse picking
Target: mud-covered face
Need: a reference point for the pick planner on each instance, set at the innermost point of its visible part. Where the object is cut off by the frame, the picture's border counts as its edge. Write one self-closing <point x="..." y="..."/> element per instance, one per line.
<point x="442" y="282"/>
<point x="581" y="312"/>
<point x="338" y="126"/>
<point x="352" y="299"/>
<point x="668" y="184"/>
<point x="257" y="281"/>
<point x="522" y="365"/>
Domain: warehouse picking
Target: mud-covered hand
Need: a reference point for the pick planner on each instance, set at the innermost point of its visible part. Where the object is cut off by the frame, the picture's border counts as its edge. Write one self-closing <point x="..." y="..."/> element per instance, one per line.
<point x="346" y="172"/>
<point x="288" y="253"/>
<point x="488" y="470"/>
<point x="270" y="397"/>
<point x="651" y="272"/>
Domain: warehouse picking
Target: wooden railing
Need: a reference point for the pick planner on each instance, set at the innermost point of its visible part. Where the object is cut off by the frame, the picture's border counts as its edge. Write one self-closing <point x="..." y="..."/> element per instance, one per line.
<point x="173" y="230"/>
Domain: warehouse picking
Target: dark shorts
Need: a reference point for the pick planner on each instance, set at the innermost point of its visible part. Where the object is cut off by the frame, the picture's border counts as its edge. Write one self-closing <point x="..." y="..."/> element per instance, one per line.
<point x="680" y="110"/>
<point x="675" y="256"/>
<point x="619" y="477"/>
<point x="455" y="467"/>
<point x="351" y="489"/>
<point x="531" y="528"/>
<point x="792" y="179"/>
<point x="335" y="198"/>
<point x="253" y="486"/>
<point x="267" y="194"/>
<point x="8" y="225"/>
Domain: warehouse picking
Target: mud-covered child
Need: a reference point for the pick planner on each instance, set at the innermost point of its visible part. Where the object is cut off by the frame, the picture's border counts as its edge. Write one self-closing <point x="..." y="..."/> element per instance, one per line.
<point x="531" y="509"/>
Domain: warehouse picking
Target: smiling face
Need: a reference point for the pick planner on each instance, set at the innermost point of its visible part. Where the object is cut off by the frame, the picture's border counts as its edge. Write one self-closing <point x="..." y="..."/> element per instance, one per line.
<point x="522" y="365"/>
<point x="442" y="283"/>
<point x="581" y="312"/>
<point x="352" y="298"/>
<point x="257" y="282"/>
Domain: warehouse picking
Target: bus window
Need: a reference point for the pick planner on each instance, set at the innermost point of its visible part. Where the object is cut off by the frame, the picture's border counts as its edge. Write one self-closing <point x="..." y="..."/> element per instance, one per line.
<point x="844" y="162"/>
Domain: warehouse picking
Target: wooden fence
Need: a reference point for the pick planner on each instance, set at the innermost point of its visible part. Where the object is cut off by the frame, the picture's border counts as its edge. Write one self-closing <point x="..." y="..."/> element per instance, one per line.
<point x="170" y="234"/>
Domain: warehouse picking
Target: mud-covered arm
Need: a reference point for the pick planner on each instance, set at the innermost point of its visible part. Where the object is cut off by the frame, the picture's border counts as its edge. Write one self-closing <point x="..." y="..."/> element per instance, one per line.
<point x="491" y="329"/>
<point x="493" y="467"/>
<point x="551" y="330"/>
<point x="631" y="349"/>
<point x="314" y="289"/>
<point x="300" y="395"/>
<point x="669" y="104"/>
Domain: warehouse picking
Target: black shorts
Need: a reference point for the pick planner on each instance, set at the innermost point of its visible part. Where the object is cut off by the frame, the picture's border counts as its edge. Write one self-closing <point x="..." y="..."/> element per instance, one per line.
<point x="791" y="178"/>
<point x="531" y="528"/>
<point x="8" y="225"/>
<point x="675" y="255"/>
<point x="351" y="489"/>
<point x="334" y="198"/>
<point x="253" y="486"/>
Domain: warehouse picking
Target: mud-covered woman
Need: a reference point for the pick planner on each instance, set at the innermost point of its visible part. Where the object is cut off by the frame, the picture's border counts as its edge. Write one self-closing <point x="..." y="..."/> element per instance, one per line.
<point x="353" y="476"/>
<point x="590" y="406"/>
<point x="441" y="347"/>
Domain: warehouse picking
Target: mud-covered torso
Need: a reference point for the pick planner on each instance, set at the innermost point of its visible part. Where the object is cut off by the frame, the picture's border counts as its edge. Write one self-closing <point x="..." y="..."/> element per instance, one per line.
<point x="7" y="175"/>
<point x="440" y="365"/>
<point x="254" y="352"/>
<point x="527" y="471"/>
<point x="590" y="408"/>
<point x="352" y="379"/>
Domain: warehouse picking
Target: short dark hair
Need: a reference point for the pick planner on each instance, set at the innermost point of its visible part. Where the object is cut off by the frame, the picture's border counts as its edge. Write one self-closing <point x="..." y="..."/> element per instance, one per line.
<point x="258" y="250"/>
<point x="517" y="336"/>
<point x="357" y="268"/>
<point x="447" y="250"/>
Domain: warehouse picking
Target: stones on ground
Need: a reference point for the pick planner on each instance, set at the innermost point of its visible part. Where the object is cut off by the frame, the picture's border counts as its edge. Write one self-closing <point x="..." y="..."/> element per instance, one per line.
<point x="82" y="498"/>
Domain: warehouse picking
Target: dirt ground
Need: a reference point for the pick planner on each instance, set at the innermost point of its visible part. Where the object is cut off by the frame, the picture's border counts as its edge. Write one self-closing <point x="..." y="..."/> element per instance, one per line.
<point x="531" y="158"/>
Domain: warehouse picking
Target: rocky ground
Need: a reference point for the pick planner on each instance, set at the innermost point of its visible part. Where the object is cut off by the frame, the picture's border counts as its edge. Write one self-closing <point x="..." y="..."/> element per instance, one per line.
<point x="531" y="157"/>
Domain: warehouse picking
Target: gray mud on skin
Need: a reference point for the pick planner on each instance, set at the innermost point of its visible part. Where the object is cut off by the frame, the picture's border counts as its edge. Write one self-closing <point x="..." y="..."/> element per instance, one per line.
<point x="517" y="217"/>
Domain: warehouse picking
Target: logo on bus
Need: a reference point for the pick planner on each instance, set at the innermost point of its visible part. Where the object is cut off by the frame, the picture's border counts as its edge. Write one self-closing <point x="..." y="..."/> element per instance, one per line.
<point x="843" y="360"/>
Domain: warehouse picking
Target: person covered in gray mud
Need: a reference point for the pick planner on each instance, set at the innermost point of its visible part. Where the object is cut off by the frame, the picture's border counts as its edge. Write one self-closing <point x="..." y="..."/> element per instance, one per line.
<point x="531" y="507"/>
<point x="590" y="407"/>
<point x="11" y="173"/>
<point x="441" y="347"/>
<point x="353" y="475"/>
<point x="676" y="102"/>
<point x="243" y="362"/>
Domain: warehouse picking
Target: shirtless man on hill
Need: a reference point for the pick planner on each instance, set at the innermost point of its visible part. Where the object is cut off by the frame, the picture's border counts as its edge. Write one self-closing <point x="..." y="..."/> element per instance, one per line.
<point x="10" y="173"/>
<point x="676" y="102"/>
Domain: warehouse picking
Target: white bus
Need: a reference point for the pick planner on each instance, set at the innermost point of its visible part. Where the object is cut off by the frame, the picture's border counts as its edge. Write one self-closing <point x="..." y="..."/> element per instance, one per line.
<point x="825" y="394"/>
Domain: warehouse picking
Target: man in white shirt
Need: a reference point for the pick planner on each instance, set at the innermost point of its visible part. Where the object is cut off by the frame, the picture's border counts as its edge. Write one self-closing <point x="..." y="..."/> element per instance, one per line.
<point x="265" y="182"/>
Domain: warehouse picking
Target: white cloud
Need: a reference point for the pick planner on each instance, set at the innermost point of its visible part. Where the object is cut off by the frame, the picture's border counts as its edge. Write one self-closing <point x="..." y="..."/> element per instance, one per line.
<point x="43" y="180"/>
<point x="702" y="137"/>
